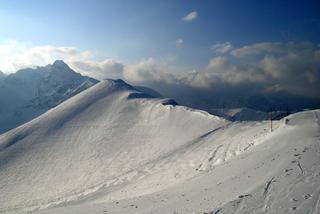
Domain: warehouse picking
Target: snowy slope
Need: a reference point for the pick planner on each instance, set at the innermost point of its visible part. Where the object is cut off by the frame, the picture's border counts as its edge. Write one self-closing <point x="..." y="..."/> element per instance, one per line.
<point x="113" y="149"/>
<point x="89" y="141"/>
<point x="28" y="93"/>
<point x="240" y="168"/>
<point x="247" y="114"/>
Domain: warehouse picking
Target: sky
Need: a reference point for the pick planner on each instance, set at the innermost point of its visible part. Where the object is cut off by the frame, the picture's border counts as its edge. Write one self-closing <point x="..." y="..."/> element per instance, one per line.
<point x="267" y="45"/>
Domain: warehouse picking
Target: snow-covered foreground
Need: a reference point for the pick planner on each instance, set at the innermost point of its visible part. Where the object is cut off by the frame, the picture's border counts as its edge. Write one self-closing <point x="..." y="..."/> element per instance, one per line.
<point x="112" y="149"/>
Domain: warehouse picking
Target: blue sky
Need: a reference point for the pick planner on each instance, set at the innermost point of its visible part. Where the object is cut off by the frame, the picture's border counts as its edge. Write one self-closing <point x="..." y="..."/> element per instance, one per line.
<point x="130" y="30"/>
<point x="208" y="45"/>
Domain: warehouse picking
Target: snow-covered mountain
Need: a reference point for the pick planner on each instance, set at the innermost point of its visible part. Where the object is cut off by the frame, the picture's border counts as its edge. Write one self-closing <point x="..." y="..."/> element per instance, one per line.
<point x="247" y="114"/>
<point x="2" y="74"/>
<point x="115" y="149"/>
<point x="28" y="93"/>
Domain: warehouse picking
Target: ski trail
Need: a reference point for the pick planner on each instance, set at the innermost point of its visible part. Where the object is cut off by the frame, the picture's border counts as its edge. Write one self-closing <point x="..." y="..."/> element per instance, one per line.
<point x="239" y="208"/>
<point x="267" y="196"/>
<point x="268" y="186"/>
<point x="315" y="208"/>
<point x="213" y="154"/>
<point x="300" y="167"/>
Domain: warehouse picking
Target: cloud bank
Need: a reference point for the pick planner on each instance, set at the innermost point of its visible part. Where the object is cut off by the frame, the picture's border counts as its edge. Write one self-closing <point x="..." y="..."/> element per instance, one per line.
<point x="259" y="68"/>
<point x="222" y="47"/>
<point x="262" y="68"/>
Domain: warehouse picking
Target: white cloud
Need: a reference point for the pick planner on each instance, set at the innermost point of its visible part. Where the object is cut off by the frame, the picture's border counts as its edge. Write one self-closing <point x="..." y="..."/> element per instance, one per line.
<point x="148" y="71"/>
<point x="271" y="47"/>
<point x="108" y="68"/>
<point x="222" y="47"/>
<point x="220" y="71"/>
<point x="190" y="16"/>
<point x="290" y="67"/>
<point x="15" y="55"/>
<point x="179" y="43"/>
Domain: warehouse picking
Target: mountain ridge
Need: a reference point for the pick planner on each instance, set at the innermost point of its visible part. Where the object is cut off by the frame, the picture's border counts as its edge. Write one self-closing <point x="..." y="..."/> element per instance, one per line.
<point x="89" y="124"/>
<point x="112" y="148"/>
<point x="34" y="91"/>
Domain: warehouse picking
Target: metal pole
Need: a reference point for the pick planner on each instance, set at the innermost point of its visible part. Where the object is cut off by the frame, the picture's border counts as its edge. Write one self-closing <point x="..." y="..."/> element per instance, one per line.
<point x="270" y="120"/>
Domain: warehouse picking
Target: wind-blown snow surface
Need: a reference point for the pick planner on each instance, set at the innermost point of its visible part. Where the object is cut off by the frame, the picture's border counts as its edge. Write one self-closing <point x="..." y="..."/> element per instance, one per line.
<point x="112" y="149"/>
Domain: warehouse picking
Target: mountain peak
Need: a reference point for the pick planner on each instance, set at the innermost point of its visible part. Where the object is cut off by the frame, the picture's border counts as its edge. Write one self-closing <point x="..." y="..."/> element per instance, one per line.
<point x="60" y="64"/>
<point x="61" y="68"/>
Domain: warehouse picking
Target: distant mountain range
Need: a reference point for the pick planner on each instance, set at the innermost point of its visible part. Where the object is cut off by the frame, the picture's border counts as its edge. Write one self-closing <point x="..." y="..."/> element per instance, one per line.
<point x="211" y="100"/>
<point x="28" y="93"/>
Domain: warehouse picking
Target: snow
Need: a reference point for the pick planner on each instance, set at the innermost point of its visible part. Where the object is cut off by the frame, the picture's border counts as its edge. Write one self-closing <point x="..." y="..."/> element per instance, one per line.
<point x="247" y="114"/>
<point x="113" y="149"/>
<point x="29" y="93"/>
